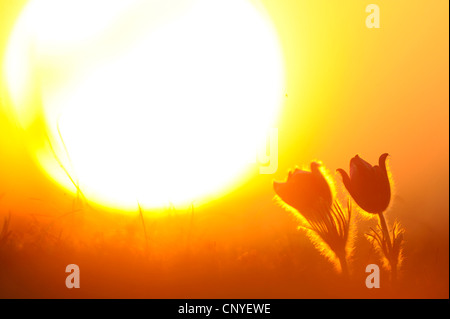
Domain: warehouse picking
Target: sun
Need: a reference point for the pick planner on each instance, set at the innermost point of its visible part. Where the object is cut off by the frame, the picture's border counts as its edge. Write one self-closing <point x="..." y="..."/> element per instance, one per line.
<point x="149" y="102"/>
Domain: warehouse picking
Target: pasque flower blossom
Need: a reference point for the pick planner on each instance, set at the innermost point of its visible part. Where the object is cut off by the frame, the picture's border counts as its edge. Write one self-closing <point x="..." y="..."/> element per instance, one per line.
<point x="310" y="195"/>
<point x="305" y="191"/>
<point x="370" y="188"/>
<point x="368" y="185"/>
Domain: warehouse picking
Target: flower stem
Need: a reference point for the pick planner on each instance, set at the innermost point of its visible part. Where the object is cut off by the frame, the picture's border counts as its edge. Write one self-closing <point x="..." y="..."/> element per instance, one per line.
<point x="385" y="230"/>
<point x="344" y="264"/>
<point x="392" y="263"/>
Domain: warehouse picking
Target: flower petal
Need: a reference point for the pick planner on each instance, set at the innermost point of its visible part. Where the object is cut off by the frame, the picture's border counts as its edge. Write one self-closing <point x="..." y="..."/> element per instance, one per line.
<point x="382" y="162"/>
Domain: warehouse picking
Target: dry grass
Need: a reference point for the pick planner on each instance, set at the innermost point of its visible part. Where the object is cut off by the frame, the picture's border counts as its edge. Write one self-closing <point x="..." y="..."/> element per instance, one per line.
<point x="209" y="254"/>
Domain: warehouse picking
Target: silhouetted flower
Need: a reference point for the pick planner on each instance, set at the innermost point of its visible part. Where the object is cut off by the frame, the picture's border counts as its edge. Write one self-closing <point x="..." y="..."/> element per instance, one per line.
<point x="305" y="191"/>
<point x="368" y="185"/>
<point x="326" y="223"/>
<point x="370" y="188"/>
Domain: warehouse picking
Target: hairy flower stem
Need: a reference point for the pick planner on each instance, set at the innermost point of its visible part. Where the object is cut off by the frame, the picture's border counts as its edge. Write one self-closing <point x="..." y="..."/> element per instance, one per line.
<point x="344" y="264"/>
<point x="385" y="230"/>
<point x="392" y="263"/>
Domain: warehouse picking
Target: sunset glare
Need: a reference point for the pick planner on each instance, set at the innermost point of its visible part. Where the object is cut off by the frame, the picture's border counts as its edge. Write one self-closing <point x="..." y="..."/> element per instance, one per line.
<point x="144" y="113"/>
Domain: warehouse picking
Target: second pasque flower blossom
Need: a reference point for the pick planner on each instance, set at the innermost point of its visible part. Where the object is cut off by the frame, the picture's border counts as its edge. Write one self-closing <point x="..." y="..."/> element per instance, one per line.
<point x="368" y="185"/>
<point x="307" y="192"/>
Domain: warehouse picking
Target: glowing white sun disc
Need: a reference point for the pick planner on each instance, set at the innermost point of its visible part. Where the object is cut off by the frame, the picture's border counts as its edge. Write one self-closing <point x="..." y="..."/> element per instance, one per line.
<point x="154" y="102"/>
